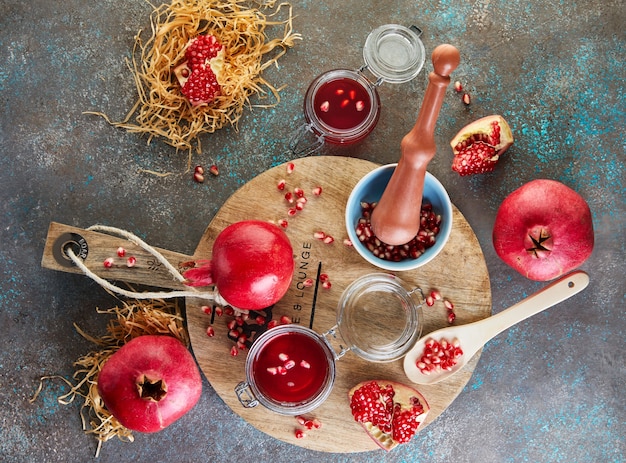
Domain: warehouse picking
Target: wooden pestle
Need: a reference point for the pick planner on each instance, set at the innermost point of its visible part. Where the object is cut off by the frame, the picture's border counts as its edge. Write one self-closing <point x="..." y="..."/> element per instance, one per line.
<point x="396" y="218"/>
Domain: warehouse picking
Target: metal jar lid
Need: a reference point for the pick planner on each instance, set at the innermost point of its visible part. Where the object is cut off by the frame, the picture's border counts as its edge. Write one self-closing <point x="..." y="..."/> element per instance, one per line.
<point x="394" y="53"/>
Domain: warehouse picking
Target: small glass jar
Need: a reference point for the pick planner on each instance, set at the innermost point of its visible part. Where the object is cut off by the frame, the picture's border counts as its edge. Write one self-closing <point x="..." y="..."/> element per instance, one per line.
<point x="342" y="106"/>
<point x="290" y="369"/>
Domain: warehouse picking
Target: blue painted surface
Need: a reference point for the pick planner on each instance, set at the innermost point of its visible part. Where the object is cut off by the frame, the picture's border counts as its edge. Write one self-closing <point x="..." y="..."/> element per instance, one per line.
<point x="549" y="390"/>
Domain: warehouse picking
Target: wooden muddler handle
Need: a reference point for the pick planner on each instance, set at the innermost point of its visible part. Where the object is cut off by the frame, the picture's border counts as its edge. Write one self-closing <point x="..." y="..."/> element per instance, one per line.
<point x="396" y="218"/>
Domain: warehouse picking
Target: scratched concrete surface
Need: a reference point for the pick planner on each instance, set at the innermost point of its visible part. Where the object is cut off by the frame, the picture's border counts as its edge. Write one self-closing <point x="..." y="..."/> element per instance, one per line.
<point x="548" y="390"/>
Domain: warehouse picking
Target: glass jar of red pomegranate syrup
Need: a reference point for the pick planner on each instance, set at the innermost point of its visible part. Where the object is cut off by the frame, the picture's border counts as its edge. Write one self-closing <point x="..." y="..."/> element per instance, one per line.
<point x="342" y="106"/>
<point x="290" y="369"/>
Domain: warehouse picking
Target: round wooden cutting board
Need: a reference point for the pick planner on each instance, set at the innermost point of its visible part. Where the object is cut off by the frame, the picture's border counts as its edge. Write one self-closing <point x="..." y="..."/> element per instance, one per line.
<point x="459" y="272"/>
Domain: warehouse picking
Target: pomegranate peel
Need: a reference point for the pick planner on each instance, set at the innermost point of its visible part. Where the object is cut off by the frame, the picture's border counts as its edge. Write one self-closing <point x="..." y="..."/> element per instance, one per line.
<point x="390" y="412"/>
<point x="543" y="230"/>
<point x="478" y="146"/>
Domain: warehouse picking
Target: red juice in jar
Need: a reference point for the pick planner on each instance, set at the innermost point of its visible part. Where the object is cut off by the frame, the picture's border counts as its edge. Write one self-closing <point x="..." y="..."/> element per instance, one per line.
<point x="291" y="367"/>
<point x="342" y="103"/>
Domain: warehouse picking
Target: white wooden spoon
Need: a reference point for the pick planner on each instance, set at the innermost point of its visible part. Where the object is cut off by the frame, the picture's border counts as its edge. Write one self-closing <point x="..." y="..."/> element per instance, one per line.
<point x="473" y="336"/>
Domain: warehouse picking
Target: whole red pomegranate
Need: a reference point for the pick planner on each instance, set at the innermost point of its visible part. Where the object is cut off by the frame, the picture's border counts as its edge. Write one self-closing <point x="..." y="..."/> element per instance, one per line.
<point x="150" y="382"/>
<point x="543" y="230"/>
<point x="251" y="265"/>
<point x="390" y="412"/>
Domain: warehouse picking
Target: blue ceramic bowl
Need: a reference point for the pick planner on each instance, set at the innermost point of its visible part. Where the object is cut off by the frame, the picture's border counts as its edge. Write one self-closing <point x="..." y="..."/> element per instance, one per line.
<point x="370" y="189"/>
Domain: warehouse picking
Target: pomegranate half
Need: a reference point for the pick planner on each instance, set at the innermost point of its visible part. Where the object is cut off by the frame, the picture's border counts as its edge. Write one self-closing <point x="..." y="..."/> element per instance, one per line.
<point x="150" y="382"/>
<point x="390" y="412"/>
<point x="543" y="230"/>
<point x="251" y="265"/>
<point x="478" y="146"/>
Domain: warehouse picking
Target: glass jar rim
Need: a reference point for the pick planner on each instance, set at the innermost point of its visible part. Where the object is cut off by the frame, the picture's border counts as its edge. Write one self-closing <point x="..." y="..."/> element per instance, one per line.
<point x="353" y="313"/>
<point x="394" y="53"/>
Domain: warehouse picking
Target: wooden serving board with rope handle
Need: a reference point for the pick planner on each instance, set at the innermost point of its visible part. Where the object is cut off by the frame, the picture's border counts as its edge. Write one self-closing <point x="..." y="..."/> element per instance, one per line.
<point x="459" y="272"/>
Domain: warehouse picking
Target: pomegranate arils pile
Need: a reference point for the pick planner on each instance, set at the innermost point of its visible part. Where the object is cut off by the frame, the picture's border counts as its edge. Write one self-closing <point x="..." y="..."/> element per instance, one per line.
<point x="439" y="355"/>
<point x="197" y="76"/>
<point x="430" y="224"/>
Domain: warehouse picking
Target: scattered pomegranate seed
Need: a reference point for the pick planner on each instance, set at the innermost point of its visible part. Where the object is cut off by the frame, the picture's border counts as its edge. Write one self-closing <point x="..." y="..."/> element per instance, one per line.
<point x="449" y="305"/>
<point x="283" y="223"/>
<point x="281" y="184"/>
<point x="302" y="200"/>
<point x="210" y="332"/>
<point x="121" y="252"/>
<point x="344" y="103"/>
<point x="352" y="94"/>
<point x="206" y="309"/>
<point x="219" y="311"/>
<point x="347" y="242"/>
<point x="466" y="99"/>
<point x="305" y="364"/>
<point x="292" y="211"/>
<point x="289" y="364"/>
<point x="325" y="106"/>
<point x="198" y="177"/>
<point x="308" y="423"/>
<point x="300" y="205"/>
<point x="308" y="282"/>
<point x="430" y="301"/>
<point x="260" y="320"/>
<point x="436" y="295"/>
<point x="300" y="434"/>
<point x="328" y="239"/>
<point x="229" y="311"/>
<point x="451" y="317"/>
<point x="289" y="197"/>
<point x="285" y="320"/>
<point x="214" y="170"/>
<point x="242" y="338"/>
<point x="283" y="357"/>
<point x="272" y="324"/>
<point x="290" y="167"/>
<point x="272" y="370"/>
<point x="131" y="261"/>
<point x="458" y="86"/>
<point x="324" y="277"/>
<point x="281" y="370"/>
<point x="339" y="91"/>
<point x="234" y="351"/>
<point x="233" y="334"/>
<point x="299" y="192"/>
<point x="360" y="106"/>
<point x="108" y="262"/>
<point x="199" y="170"/>
<point x="319" y="235"/>
<point x="327" y="285"/>
<point x="231" y="324"/>
<point x="317" y="191"/>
